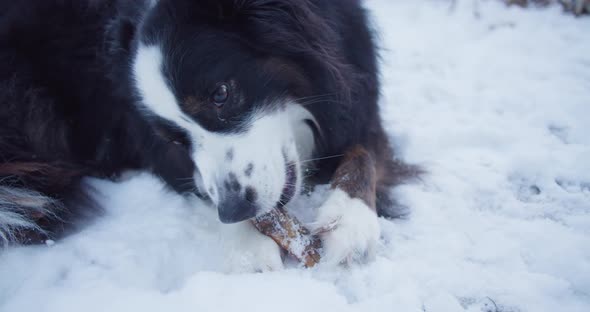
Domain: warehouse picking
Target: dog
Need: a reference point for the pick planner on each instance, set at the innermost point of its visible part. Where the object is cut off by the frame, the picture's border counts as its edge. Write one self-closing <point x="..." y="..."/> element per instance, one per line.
<point x="243" y="103"/>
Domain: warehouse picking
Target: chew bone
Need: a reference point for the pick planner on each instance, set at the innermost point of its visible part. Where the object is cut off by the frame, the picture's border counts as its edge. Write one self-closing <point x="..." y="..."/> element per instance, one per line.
<point x="291" y="235"/>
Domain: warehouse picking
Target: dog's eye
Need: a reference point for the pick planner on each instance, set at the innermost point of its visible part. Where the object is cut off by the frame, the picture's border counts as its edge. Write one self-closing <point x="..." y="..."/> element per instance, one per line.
<point x="220" y="95"/>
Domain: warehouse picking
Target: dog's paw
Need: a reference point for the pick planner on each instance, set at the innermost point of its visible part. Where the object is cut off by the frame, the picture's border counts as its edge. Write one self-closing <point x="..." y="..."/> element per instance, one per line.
<point x="353" y="229"/>
<point x="247" y="250"/>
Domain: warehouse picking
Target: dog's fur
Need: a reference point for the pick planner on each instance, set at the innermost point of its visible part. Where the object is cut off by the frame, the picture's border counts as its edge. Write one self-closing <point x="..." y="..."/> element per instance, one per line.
<point x="96" y="87"/>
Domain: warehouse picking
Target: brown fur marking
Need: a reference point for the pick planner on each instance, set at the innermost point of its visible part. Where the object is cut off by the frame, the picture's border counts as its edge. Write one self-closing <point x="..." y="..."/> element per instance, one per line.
<point x="192" y="105"/>
<point x="357" y="175"/>
<point x="47" y="178"/>
<point x="23" y="169"/>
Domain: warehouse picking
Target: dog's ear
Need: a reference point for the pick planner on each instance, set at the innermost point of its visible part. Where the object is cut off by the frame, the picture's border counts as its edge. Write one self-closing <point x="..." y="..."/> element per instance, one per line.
<point x="126" y="34"/>
<point x="121" y="33"/>
<point x="122" y="29"/>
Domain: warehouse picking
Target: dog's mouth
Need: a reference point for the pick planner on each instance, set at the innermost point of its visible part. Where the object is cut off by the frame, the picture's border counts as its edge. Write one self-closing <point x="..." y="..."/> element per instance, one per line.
<point x="290" y="186"/>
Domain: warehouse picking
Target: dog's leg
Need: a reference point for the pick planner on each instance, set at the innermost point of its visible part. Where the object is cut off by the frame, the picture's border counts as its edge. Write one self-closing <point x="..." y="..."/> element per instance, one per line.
<point x="351" y="207"/>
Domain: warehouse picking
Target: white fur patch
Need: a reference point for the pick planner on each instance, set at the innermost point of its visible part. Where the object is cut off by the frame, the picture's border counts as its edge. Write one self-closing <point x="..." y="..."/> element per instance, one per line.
<point x="356" y="233"/>
<point x="156" y="96"/>
<point x="269" y="139"/>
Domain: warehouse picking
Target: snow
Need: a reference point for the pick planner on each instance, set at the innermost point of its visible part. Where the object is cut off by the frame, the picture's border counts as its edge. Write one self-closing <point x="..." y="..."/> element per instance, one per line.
<point x="493" y="102"/>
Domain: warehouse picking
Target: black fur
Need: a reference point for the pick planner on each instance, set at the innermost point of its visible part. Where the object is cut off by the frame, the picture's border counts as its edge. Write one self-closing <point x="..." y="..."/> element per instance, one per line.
<point x="68" y="108"/>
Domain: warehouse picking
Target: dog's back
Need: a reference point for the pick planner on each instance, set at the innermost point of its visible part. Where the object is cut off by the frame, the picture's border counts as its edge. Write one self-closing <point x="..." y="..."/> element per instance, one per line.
<point x="59" y="112"/>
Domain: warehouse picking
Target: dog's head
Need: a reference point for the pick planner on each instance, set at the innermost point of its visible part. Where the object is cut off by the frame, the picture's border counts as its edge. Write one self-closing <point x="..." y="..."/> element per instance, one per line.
<point x="227" y="80"/>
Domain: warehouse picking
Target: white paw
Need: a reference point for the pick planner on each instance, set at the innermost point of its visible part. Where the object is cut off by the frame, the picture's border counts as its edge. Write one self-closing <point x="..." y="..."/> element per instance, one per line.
<point x="356" y="231"/>
<point x="247" y="250"/>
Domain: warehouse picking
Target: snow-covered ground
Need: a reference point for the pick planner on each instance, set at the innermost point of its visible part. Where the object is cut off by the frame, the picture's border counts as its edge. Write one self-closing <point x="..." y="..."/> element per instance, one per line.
<point x="493" y="102"/>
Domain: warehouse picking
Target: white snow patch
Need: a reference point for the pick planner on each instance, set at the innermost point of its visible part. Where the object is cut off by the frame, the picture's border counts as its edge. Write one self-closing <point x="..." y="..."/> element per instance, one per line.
<point x="493" y="102"/>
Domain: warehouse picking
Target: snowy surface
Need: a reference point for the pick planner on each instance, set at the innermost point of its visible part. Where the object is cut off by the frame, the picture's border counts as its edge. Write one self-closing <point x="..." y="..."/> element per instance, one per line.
<point x="493" y="102"/>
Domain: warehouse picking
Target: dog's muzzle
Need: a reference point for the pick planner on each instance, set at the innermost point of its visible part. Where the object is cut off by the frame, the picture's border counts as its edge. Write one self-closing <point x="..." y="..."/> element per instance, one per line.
<point x="237" y="203"/>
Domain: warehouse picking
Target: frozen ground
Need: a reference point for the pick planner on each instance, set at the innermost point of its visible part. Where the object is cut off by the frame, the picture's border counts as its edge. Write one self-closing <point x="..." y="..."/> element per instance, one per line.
<point x="493" y="102"/>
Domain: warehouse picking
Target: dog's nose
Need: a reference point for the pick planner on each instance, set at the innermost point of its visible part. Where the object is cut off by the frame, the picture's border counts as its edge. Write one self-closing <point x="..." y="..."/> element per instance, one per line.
<point x="234" y="208"/>
<point x="236" y="203"/>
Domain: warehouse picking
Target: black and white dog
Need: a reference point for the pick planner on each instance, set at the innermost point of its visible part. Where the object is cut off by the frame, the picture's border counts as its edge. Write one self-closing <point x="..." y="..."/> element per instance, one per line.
<point x="241" y="102"/>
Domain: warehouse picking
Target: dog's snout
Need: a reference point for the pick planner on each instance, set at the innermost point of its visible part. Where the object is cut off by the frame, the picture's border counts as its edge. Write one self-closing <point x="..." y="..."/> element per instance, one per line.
<point x="236" y="202"/>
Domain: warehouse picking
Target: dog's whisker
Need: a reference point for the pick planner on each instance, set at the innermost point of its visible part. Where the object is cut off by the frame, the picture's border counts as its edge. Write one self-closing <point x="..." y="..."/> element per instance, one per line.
<point x="311" y="102"/>
<point x="316" y="96"/>
<point x="183" y="185"/>
<point x="319" y="158"/>
<point x="185" y="179"/>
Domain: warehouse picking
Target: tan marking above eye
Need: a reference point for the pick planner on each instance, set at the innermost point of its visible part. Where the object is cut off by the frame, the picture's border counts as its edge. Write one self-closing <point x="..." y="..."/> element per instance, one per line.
<point x="192" y="105"/>
<point x="287" y="70"/>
